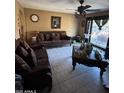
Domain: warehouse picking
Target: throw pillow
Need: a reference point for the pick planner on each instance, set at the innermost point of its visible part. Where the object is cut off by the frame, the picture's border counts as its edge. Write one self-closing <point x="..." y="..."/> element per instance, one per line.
<point x="21" y="67"/>
<point x="41" y="37"/>
<point x="26" y="55"/>
<point x="24" y="44"/>
<point x="22" y="52"/>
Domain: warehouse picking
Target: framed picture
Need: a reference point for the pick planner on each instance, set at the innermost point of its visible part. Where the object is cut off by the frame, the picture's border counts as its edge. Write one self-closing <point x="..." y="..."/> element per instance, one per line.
<point x="55" y="22"/>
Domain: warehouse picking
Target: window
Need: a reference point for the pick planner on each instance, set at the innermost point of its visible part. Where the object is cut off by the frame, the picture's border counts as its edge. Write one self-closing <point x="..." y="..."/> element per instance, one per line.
<point x="100" y="33"/>
<point x="97" y="32"/>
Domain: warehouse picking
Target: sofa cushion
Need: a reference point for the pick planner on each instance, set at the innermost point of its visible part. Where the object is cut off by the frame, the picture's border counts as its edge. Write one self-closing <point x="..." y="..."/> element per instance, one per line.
<point x="48" y="37"/>
<point x="41" y="53"/>
<point x="21" y="67"/>
<point x="53" y="36"/>
<point x="41" y="37"/>
<point x="43" y="61"/>
<point x="57" y="36"/>
<point x="43" y="65"/>
<point x="33" y="56"/>
<point x="63" y="35"/>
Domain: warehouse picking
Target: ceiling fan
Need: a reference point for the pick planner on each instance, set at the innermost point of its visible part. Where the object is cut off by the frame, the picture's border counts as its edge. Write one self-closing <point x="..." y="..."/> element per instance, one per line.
<point x="83" y="8"/>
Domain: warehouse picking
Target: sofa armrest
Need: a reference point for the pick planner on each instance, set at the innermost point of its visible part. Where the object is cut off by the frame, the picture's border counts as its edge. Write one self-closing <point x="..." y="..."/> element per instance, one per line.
<point x="67" y="37"/>
<point x="36" y="46"/>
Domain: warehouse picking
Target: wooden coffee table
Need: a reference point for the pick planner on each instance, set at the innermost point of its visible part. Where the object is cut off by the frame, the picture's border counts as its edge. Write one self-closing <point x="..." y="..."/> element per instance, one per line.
<point x="91" y="61"/>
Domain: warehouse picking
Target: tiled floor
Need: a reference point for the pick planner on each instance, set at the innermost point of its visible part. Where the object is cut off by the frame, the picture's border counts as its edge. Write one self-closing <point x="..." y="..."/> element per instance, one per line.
<point x="82" y="80"/>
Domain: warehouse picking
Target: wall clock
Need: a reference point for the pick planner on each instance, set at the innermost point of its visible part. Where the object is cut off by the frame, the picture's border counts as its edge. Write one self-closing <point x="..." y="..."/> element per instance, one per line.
<point x="34" y="18"/>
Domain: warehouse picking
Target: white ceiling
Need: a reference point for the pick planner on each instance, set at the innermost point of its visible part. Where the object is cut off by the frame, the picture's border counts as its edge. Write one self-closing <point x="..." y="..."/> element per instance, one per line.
<point x="65" y="6"/>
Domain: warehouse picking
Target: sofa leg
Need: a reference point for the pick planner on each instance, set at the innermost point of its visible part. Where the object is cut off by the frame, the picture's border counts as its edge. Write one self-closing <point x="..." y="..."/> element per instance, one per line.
<point x="74" y="64"/>
<point x="70" y="44"/>
<point x="50" y="88"/>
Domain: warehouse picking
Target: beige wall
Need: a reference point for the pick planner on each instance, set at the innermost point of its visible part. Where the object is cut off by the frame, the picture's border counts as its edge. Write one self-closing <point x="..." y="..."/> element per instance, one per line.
<point x="68" y="21"/>
<point x="19" y="20"/>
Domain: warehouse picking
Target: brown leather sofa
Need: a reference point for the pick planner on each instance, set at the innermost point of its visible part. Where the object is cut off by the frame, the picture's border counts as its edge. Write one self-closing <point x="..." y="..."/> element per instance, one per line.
<point x="53" y="38"/>
<point x="33" y="66"/>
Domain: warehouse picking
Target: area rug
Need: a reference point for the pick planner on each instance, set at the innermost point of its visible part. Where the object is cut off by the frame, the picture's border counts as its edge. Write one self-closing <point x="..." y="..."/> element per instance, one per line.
<point x="82" y="80"/>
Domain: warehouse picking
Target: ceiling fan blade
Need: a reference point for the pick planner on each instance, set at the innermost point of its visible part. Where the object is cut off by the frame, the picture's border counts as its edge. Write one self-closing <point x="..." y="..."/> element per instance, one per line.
<point x="69" y="9"/>
<point x="81" y="1"/>
<point x="87" y="6"/>
<point x="92" y="10"/>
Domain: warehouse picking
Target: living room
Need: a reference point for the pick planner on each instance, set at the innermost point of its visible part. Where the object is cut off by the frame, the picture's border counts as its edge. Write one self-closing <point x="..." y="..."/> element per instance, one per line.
<point x="39" y="29"/>
<point x="116" y="60"/>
